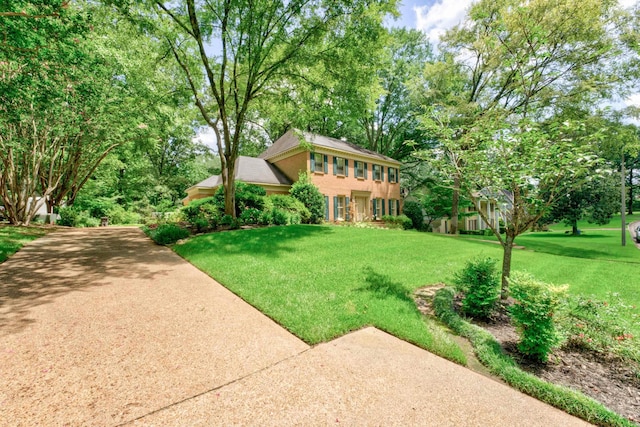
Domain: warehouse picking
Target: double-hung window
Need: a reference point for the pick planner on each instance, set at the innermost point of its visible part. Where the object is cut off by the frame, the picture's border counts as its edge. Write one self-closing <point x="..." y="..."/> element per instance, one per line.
<point x="340" y="166"/>
<point x="393" y="174"/>
<point x="377" y="173"/>
<point x="341" y="208"/>
<point x="319" y="163"/>
<point x="360" y="169"/>
<point x="378" y="208"/>
<point x="393" y="207"/>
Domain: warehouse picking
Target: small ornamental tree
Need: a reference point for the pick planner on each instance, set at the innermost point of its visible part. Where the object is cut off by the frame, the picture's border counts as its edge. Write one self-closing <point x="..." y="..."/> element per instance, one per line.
<point x="305" y="191"/>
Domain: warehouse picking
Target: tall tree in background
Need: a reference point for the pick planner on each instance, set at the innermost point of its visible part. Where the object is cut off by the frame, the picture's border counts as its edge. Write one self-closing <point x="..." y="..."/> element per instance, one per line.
<point x="492" y="102"/>
<point x="232" y="52"/>
<point x="391" y="128"/>
<point x="595" y="200"/>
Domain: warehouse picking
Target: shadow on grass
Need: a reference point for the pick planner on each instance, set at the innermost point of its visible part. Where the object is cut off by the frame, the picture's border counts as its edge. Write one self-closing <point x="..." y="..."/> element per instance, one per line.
<point x="382" y="286"/>
<point x="265" y="242"/>
<point x="566" y="236"/>
<point x="560" y="244"/>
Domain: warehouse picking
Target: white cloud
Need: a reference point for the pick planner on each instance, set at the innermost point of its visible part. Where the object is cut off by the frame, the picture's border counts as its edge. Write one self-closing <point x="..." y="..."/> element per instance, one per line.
<point x="206" y="136"/>
<point x="627" y="3"/>
<point x="436" y="19"/>
<point x="633" y="100"/>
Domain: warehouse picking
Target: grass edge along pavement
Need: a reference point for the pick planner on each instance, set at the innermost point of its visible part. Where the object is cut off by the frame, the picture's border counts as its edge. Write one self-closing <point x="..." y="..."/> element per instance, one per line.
<point x="275" y="269"/>
<point x="488" y="351"/>
<point x="12" y="238"/>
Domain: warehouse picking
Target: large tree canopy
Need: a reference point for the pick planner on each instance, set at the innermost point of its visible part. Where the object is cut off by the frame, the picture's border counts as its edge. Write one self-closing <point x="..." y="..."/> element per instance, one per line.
<point x="233" y="52"/>
<point x="67" y="98"/>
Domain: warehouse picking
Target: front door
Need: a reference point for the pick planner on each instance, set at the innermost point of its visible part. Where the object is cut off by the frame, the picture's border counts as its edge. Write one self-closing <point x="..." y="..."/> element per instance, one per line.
<point x="361" y="208"/>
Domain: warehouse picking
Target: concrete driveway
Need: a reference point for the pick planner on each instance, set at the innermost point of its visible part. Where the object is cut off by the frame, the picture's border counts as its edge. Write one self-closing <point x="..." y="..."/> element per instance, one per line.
<point x="102" y="327"/>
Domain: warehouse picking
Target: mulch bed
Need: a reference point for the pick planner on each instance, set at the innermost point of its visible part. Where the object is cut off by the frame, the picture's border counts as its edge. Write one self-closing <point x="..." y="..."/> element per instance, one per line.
<point x="605" y="378"/>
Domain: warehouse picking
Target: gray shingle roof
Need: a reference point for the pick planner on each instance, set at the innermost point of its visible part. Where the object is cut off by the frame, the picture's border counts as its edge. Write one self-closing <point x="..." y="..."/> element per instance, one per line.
<point x="291" y="140"/>
<point x="253" y="170"/>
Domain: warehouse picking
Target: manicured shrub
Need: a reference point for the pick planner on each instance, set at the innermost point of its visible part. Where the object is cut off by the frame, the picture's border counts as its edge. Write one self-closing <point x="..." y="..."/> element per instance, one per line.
<point x="282" y="210"/>
<point x="250" y="216"/>
<point x="280" y="217"/>
<point x="118" y="215"/>
<point x="247" y="196"/>
<point x="202" y="214"/>
<point x="73" y="216"/>
<point x="230" y="222"/>
<point x="533" y="313"/>
<point x="413" y="210"/>
<point x="294" y="207"/>
<point x="167" y="234"/>
<point x="307" y="193"/>
<point x="400" y="221"/>
<point x="479" y="281"/>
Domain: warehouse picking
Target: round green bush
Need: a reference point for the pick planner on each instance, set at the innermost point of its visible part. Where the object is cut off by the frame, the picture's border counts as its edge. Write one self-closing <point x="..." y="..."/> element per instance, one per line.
<point x="533" y="314"/>
<point x="307" y="193"/>
<point x="167" y="234"/>
<point x="72" y="216"/>
<point x="480" y="283"/>
<point x="250" y="216"/>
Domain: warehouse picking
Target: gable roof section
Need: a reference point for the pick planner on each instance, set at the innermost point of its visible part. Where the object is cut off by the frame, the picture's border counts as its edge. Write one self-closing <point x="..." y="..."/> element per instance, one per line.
<point x="250" y="170"/>
<point x="290" y="141"/>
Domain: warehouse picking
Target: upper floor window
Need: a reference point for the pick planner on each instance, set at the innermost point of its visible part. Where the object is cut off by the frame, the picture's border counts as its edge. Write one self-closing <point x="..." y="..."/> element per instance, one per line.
<point x="319" y="163"/>
<point x="377" y="172"/>
<point x="340" y="166"/>
<point x="393" y="174"/>
<point x="360" y="169"/>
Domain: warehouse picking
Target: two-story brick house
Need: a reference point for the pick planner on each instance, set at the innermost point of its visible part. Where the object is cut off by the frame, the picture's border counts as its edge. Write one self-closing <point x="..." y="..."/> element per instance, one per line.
<point x="357" y="184"/>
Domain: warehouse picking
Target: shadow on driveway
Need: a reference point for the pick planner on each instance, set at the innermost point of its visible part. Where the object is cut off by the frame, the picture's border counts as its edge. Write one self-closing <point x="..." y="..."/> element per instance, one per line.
<point x="58" y="263"/>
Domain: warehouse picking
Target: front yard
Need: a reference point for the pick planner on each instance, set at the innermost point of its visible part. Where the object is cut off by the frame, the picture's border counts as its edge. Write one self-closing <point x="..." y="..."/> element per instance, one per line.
<point x="321" y="282"/>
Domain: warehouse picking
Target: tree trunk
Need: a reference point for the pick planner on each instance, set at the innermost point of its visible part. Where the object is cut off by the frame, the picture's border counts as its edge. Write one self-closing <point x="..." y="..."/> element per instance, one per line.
<point x="455" y="202"/>
<point x="230" y="188"/>
<point x="574" y="228"/>
<point x="506" y="264"/>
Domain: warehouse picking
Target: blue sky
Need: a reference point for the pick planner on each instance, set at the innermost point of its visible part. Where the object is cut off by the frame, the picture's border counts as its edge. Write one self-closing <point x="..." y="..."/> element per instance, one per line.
<point x="431" y="16"/>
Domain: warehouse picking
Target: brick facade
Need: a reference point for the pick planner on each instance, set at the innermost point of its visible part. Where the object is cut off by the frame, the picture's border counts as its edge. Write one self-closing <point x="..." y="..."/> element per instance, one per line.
<point x="358" y="184"/>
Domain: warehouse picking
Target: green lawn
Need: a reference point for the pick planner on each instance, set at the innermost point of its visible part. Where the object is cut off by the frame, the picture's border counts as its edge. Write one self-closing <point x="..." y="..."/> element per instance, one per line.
<point x="322" y="281"/>
<point x="13" y="238"/>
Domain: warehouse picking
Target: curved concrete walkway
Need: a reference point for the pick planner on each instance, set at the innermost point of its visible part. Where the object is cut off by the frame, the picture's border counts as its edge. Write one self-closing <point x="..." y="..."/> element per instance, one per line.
<point x="103" y="327"/>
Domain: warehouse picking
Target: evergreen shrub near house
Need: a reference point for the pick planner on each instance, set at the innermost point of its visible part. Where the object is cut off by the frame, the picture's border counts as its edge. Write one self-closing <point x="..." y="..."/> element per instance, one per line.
<point x="248" y="196"/>
<point x="250" y="216"/>
<point x="167" y="234"/>
<point x="480" y="283"/>
<point x="307" y="193"/>
<point x="280" y="209"/>
<point x="400" y="221"/>
<point x="202" y="214"/>
<point x="533" y="313"/>
<point x="413" y="210"/>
